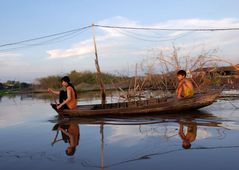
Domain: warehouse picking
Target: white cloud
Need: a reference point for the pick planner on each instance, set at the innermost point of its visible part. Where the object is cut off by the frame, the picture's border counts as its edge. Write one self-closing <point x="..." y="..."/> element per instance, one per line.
<point x="136" y="43"/>
<point x="120" y="50"/>
<point x="134" y="134"/>
<point x="15" y="67"/>
<point x="80" y="49"/>
<point x="11" y="62"/>
<point x="9" y="54"/>
<point x="198" y="23"/>
<point x="118" y="21"/>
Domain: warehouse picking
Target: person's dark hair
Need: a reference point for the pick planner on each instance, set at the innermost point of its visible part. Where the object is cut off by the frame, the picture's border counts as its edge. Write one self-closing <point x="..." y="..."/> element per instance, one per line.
<point x="71" y="151"/>
<point x="186" y="146"/>
<point x="182" y="72"/>
<point x="67" y="79"/>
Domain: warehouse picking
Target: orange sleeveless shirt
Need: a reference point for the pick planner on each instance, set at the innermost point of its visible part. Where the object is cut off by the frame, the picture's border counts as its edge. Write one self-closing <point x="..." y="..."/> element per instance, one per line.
<point x="73" y="102"/>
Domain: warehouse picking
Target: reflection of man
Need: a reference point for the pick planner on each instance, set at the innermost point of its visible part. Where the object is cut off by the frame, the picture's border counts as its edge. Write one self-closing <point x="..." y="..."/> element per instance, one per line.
<point x="190" y="136"/>
<point x="71" y="134"/>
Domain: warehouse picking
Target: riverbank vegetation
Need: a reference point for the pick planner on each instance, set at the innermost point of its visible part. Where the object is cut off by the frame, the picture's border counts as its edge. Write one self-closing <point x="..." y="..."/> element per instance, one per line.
<point x="157" y="72"/>
<point x="83" y="81"/>
<point x="12" y="87"/>
<point x="207" y="71"/>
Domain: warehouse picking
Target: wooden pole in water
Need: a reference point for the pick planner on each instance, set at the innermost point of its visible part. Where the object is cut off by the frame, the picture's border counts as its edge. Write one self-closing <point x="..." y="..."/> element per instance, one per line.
<point x="102" y="145"/>
<point x="98" y="73"/>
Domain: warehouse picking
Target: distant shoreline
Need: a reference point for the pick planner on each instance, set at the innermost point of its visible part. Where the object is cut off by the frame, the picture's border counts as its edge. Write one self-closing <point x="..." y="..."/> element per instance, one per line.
<point x="35" y="91"/>
<point x="6" y="92"/>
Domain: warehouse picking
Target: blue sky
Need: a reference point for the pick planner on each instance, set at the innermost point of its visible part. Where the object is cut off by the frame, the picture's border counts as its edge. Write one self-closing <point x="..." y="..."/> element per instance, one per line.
<point x="21" y="20"/>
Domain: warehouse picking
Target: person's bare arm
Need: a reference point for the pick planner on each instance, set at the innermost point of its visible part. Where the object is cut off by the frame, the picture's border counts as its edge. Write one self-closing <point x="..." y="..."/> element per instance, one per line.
<point x="181" y="132"/>
<point x="53" y="91"/>
<point x="64" y="131"/>
<point x="67" y="100"/>
<point x="179" y="89"/>
<point x="189" y="84"/>
<point x="69" y="135"/>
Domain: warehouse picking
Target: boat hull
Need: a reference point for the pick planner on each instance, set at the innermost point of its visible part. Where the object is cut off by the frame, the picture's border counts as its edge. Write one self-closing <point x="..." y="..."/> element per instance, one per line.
<point x="151" y="106"/>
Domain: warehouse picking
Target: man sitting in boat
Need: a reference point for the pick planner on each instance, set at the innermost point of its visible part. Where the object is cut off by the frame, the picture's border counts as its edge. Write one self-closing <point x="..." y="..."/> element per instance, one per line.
<point x="68" y="98"/>
<point x="185" y="87"/>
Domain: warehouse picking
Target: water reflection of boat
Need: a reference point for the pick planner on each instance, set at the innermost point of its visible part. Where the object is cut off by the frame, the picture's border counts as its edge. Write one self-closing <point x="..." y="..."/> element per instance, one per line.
<point x="192" y="120"/>
<point x="206" y="119"/>
<point x="144" y="107"/>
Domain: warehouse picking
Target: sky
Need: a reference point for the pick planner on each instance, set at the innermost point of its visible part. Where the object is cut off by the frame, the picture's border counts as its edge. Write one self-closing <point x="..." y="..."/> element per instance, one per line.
<point x="118" y="50"/>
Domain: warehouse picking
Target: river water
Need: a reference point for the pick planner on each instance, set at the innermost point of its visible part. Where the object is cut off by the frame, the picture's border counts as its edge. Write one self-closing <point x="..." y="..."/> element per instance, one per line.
<point x="28" y="128"/>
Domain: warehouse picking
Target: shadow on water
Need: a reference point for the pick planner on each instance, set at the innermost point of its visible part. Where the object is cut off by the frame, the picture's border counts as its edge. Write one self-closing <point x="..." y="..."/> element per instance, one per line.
<point x="201" y="117"/>
<point x="185" y="124"/>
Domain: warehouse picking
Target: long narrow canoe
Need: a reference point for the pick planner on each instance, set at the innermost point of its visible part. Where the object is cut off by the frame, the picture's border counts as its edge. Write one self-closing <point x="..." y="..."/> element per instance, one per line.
<point x="143" y="107"/>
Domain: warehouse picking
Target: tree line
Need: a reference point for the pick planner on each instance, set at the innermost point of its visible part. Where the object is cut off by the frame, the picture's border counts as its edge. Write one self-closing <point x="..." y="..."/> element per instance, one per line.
<point x="78" y="79"/>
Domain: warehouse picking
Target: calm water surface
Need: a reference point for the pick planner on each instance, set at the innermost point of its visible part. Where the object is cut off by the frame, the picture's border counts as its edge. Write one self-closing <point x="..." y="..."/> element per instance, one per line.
<point x="28" y="127"/>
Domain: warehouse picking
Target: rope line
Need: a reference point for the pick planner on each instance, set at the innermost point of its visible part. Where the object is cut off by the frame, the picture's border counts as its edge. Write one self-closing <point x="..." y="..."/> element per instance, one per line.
<point x="44" y="37"/>
<point x="168" y="29"/>
<point x="74" y="31"/>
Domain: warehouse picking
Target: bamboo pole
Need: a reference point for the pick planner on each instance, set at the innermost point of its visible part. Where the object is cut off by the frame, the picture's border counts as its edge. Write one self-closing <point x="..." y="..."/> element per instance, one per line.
<point x="98" y="73"/>
<point x="102" y="145"/>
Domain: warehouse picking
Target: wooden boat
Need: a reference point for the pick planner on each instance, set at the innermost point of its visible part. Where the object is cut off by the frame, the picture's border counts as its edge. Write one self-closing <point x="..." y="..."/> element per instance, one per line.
<point x="142" y="107"/>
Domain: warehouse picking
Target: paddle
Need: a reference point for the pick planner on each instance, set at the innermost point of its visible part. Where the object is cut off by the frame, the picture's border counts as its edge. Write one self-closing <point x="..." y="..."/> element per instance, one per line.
<point x="54" y="141"/>
<point x="55" y="106"/>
